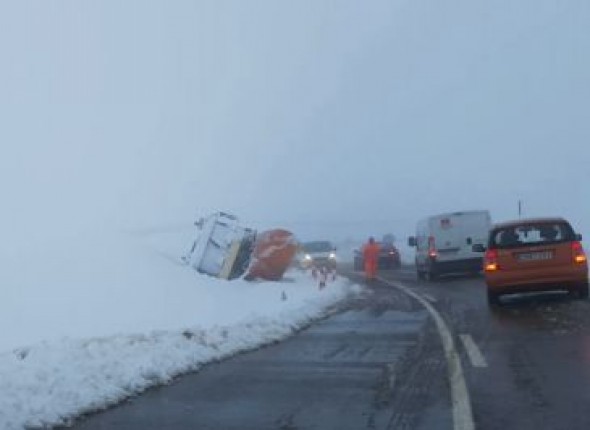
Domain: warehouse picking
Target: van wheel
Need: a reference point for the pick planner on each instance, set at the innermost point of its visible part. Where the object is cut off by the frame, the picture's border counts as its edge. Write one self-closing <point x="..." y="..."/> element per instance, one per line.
<point x="432" y="273"/>
<point x="493" y="299"/>
<point x="431" y="276"/>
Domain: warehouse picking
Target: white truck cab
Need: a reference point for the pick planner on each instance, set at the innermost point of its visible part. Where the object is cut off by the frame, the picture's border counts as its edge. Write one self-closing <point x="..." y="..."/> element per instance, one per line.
<point x="444" y="243"/>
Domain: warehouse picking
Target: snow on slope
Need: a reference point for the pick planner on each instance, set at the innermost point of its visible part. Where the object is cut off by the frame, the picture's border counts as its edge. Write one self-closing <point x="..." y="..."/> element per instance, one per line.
<point x="92" y="327"/>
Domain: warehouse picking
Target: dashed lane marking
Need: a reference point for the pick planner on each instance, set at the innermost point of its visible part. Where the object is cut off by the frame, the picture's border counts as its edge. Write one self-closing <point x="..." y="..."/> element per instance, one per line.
<point x="461" y="401"/>
<point x="473" y="351"/>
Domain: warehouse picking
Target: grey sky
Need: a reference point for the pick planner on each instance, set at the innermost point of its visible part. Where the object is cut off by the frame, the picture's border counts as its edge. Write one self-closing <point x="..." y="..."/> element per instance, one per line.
<point x="362" y="115"/>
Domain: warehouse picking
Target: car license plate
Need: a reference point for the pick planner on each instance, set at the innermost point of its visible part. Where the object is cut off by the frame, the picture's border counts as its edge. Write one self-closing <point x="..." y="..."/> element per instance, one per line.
<point x="535" y="256"/>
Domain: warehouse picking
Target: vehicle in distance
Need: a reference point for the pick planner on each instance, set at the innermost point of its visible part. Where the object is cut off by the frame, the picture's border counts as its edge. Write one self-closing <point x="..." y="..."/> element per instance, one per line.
<point x="317" y="254"/>
<point x="534" y="255"/>
<point x="444" y="243"/>
<point x="389" y="257"/>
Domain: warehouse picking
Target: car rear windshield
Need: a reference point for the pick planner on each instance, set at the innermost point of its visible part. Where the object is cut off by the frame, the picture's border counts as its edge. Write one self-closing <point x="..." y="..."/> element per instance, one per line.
<point x="519" y="236"/>
<point x="318" y="247"/>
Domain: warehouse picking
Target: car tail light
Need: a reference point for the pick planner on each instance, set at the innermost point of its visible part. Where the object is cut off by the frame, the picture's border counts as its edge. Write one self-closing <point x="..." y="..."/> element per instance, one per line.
<point x="578" y="253"/>
<point x="431" y="247"/>
<point x="490" y="261"/>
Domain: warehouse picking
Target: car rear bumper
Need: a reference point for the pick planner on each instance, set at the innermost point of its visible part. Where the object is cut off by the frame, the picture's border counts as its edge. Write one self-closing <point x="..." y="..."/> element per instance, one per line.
<point x="458" y="266"/>
<point x="537" y="288"/>
<point x="319" y="262"/>
<point x="521" y="281"/>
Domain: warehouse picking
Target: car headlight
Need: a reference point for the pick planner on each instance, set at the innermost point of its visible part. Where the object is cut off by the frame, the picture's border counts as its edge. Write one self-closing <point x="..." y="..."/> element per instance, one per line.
<point x="332" y="256"/>
<point x="307" y="257"/>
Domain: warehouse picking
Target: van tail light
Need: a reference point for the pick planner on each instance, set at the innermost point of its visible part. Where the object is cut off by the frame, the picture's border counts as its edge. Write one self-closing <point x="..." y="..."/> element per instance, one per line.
<point x="490" y="261"/>
<point x="578" y="253"/>
<point x="431" y="247"/>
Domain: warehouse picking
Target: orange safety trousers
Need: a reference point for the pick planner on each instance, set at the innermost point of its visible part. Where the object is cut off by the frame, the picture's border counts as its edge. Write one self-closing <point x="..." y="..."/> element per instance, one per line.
<point x="371" y="269"/>
<point x="371" y="257"/>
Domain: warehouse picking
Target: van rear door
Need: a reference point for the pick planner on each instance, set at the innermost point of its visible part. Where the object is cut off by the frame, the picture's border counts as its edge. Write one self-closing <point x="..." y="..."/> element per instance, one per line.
<point x="458" y="232"/>
<point x="475" y="228"/>
<point x="447" y="236"/>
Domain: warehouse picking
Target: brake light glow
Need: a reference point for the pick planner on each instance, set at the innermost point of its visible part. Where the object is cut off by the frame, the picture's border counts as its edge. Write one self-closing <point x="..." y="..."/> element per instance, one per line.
<point x="431" y="247"/>
<point x="578" y="253"/>
<point x="490" y="261"/>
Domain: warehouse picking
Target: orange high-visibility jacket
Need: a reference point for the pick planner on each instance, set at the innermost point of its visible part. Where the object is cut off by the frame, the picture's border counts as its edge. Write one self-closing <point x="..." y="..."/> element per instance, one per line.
<point x="371" y="252"/>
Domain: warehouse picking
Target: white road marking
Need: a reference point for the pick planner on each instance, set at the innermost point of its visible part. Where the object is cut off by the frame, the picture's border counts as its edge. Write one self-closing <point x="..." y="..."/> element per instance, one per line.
<point x="474" y="353"/>
<point x="391" y="373"/>
<point x="430" y="298"/>
<point x="461" y="401"/>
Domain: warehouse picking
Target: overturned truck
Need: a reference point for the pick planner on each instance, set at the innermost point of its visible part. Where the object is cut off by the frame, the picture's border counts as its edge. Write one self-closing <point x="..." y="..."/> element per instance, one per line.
<point x="225" y="249"/>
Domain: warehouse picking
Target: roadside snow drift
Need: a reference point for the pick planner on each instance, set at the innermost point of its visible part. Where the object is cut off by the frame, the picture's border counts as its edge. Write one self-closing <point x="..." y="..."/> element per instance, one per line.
<point x="87" y="332"/>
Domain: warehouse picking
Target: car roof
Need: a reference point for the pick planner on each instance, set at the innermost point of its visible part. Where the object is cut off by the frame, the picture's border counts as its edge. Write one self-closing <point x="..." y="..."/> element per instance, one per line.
<point x="530" y="221"/>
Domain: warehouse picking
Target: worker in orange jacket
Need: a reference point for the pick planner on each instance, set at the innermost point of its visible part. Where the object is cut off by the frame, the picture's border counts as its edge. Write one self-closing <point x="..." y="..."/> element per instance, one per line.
<point x="371" y="258"/>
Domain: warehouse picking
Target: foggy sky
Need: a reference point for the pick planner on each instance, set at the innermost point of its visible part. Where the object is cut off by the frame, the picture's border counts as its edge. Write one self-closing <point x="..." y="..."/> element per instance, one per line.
<point x="333" y="118"/>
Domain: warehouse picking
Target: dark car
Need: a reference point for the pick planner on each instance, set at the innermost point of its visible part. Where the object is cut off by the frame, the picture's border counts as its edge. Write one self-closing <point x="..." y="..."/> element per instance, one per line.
<point x="389" y="257"/>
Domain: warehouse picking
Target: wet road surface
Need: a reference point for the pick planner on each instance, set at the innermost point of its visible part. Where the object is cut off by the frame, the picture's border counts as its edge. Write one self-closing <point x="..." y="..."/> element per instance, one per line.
<point x="536" y="350"/>
<point x="379" y="364"/>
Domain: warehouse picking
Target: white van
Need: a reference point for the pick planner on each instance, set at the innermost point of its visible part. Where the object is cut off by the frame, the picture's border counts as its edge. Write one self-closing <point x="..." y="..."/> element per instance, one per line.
<point x="444" y="243"/>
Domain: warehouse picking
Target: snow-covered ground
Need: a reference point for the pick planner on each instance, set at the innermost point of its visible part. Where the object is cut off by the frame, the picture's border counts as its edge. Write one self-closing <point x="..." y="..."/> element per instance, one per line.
<point x="94" y="325"/>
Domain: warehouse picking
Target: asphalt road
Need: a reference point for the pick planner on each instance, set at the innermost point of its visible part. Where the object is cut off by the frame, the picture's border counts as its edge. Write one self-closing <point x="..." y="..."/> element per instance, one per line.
<point x="536" y="351"/>
<point x="380" y="364"/>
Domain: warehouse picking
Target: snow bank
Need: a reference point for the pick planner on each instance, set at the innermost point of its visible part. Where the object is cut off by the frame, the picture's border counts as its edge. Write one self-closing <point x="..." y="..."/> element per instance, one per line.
<point x="88" y="332"/>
